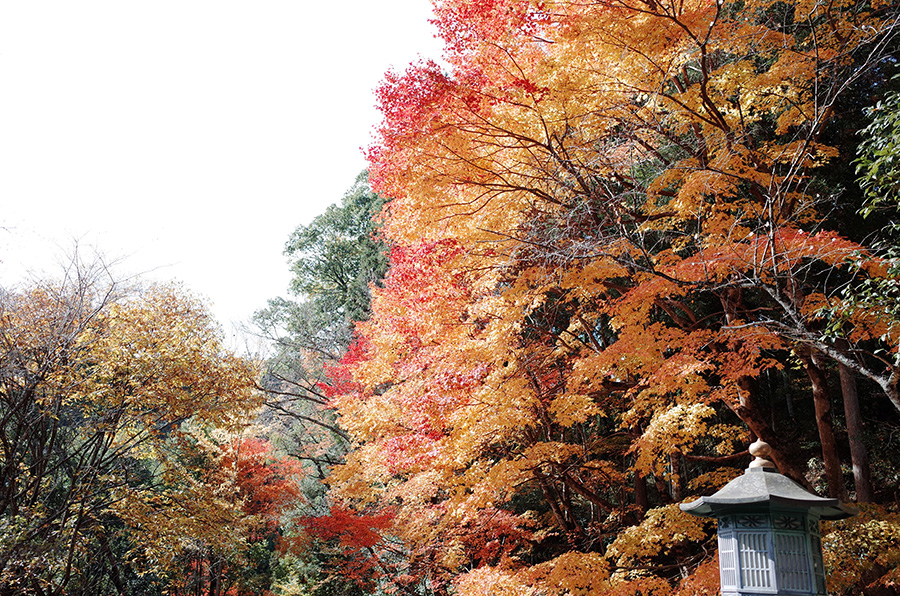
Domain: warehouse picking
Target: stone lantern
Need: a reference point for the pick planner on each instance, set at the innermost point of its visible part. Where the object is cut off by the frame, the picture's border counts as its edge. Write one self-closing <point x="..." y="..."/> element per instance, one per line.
<point x="769" y="539"/>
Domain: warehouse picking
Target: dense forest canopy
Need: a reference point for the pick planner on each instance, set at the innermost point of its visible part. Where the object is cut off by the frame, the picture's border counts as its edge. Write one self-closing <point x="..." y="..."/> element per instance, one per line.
<point x="625" y="240"/>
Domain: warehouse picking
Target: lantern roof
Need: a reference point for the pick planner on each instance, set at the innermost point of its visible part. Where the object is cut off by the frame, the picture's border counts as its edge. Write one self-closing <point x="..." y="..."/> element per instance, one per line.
<point x="762" y="485"/>
<point x="759" y="486"/>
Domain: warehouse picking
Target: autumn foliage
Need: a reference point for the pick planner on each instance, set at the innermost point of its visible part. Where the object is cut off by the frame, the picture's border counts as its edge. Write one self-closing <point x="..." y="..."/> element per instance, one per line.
<point x="624" y="240"/>
<point x="617" y="240"/>
<point x="256" y="490"/>
<point x="117" y="406"/>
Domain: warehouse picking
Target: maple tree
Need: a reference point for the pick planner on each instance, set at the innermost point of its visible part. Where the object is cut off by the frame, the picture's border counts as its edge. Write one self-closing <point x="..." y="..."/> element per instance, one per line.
<point x="611" y="254"/>
<point x="259" y="490"/>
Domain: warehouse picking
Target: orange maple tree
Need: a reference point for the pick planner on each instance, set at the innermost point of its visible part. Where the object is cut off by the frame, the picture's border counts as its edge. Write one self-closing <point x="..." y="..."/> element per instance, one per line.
<point x="609" y="236"/>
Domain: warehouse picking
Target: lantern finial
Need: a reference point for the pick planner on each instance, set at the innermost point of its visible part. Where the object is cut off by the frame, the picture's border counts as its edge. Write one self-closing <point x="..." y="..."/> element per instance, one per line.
<point x="761" y="450"/>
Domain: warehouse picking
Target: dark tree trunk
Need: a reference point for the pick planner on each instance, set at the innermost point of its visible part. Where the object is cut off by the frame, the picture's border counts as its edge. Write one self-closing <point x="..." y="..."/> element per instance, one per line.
<point x="641" y="498"/>
<point x="822" y="402"/>
<point x="552" y="497"/>
<point x="676" y="480"/>
<point x="662" y="489"/>
<point x="862" y="472"/>
<point x="747" y="410"/>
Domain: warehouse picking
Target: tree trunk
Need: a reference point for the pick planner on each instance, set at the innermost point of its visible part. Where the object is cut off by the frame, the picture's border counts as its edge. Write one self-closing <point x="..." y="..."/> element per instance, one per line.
<point x="676" y="479"/>
<point x="747" y="409"/>
<point x="113" y="563"/>
<point x="862" y="472"/>
<point x="822" y="402"/>
<point x="215" y="576"/>
<point x="641" y="498"/>
<point x="552" y="497"/>
<point x="662" y="489"/>
<point x="749" y="413"/>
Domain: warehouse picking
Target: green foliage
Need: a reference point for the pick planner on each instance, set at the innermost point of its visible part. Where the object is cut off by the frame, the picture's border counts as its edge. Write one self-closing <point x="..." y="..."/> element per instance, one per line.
<point x="335" y="260"/>
<point x="336" y="257"/>
<point x="878" y="162"/>
<point x="878" y="167"/>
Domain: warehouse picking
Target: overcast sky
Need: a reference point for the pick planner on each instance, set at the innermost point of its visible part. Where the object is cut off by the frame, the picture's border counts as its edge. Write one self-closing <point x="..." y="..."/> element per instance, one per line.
<point x="189" y="137"/>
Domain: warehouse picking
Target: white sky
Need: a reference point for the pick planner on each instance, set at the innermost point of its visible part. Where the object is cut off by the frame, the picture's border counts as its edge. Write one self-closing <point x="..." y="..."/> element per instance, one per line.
<point x="188" y="136"/>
